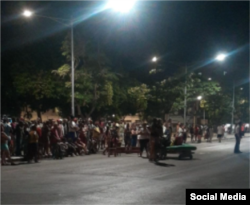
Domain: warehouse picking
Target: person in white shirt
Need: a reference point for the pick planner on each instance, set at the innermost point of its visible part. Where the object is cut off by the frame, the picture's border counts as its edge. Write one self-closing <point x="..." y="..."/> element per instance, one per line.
<point x="61" y="128"/>
<point x="164" y="129"/>
<point x="220" y="132"/>
<point x="121" y="132"/>
<point x="72" y="129"/>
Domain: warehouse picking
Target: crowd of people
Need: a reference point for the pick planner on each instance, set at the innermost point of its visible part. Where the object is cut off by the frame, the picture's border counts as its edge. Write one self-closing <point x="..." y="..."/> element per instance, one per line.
<point x="69" y="137"/>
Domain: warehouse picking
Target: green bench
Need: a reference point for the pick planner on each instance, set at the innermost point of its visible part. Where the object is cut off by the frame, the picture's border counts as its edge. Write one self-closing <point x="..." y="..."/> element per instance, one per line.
<point x="184" y="150"/>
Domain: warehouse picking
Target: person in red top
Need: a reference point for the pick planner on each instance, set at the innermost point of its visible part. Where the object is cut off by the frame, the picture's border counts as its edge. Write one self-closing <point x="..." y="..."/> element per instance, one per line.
<point x="81" y="141"/>
<point x="196" y="133"/>
<point x="54" y="137"/>
<point x="39" y="131"/>
<point x="107" y="137"/>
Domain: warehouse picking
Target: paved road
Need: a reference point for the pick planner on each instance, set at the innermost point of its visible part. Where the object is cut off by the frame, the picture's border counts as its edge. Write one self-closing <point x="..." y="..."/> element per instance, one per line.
<point x="127" y="179"/>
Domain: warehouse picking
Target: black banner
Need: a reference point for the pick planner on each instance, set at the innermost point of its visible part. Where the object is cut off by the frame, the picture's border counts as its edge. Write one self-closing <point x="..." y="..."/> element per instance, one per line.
<point x="208" y="196"/>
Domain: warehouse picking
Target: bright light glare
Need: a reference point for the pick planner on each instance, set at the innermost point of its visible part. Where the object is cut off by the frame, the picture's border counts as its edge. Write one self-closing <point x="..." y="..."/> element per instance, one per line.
<point x="199" y="97"/>
<point x="154" y="59"/>
<point x="121" y="5"/>
<point x="209" y="78"/>
<point x="27" y="13"/>
<point x="241" y="88"/>
<point x="221" y="57"/>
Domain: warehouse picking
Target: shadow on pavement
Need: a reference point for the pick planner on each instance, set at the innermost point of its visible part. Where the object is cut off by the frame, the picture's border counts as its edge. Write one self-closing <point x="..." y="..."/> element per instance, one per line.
<point x="244" y="156"/>
<point x="164" y="164"/>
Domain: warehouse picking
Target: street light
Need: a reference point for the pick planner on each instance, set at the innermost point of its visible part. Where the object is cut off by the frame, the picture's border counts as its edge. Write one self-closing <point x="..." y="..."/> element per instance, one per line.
<point x="121" y="5"/>
<point x="27" y="13"/>
<point x="199" y="97"/>
<point x="209" y="79"/>
<point x="221" y="57"/>
<point x="154" y="59"/>
<point x="241" y="88"/>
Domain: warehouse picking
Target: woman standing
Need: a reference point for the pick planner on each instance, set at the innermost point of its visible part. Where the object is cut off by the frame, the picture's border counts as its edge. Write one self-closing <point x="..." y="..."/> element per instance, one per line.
<point x="196" y="133"/>
<point x="199" y="134"/>
<point x="45" y="139"/>
<point x="133" y="137"/>
<point x="5" y="152"/>
<point x="33" y="144"/>
<point x="127" y="137"/>
<point x="107" y="138"/>
<point x="191" y="131"/>
<point x="179" y="136"/>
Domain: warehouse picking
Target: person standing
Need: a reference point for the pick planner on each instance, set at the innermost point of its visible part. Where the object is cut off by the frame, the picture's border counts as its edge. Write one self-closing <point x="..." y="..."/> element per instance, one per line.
<point x="144" y="139"/>
<point x="7" y="127"/>
<point x="4" y="147"/>
<point x="208" y="134"/>
<point x="72" y="128"/>
<point x="33" y="144"/>
<point x="133" y="137"/>
<point x="127" y="137"/>
<point x="66" y="127"/>
<point x="121" y="132"/>
<point x="107" y="138"/>
<point x="179" y="135"/>
<point x="220" y="130"/>
<point x="238" y="137"/>
<point x="156" y="131"/>
<point x="46" y="139"/>
<point x="61" y="128"/>
<point x="191" y="131"/>
<point x="199" y="133"/>
<point x="19" y="131"/>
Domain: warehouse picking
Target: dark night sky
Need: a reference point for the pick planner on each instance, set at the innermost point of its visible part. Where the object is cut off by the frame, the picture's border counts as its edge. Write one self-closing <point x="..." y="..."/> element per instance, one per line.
<point x="182" y="32"/>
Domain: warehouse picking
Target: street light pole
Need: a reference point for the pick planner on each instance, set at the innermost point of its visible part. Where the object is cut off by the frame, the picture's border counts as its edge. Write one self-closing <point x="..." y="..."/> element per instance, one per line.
<point x="70" y="22"/>
<point x="232" y="121"/>
<point x="72" y="70"/>
<point x="204" y="117"/>
<point x="185" y="98"/>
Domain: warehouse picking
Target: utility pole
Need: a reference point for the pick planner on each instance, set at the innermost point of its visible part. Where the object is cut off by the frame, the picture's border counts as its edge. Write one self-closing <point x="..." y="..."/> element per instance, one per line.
<point x="185" y="98"/>
<point x="72" y="70"/>
<point x="232" y="121"/>
<point x="204" y="117"/>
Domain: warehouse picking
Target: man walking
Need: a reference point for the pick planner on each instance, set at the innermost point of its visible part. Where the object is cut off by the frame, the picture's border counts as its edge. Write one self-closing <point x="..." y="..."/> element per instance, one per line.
<point x="238" y="136"/>
<point x="220" y="132"/>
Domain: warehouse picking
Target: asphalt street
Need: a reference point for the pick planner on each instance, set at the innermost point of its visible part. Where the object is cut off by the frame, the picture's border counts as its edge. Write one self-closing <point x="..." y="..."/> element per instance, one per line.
<point x="126" y="179"/>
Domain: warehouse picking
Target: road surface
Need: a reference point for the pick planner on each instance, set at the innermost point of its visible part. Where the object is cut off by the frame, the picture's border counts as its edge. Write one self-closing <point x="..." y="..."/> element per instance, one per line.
<point x="126" y="179"/>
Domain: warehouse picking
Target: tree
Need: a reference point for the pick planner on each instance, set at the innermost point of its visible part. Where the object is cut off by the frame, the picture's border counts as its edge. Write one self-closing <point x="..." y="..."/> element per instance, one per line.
<point x="218" y="108"/>
<point x="139" y="97"/>
<point x="93" y="76"/>
<point x="39" y="90"/>
<point x="163" y="97"/>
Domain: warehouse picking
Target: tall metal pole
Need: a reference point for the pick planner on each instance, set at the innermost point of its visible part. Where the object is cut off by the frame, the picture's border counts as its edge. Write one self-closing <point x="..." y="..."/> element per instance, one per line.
<point x="204" y="118"/>
<point x="72" y="70"/>
<point x="185" y="98"/>
<point x="232" y="121"/>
